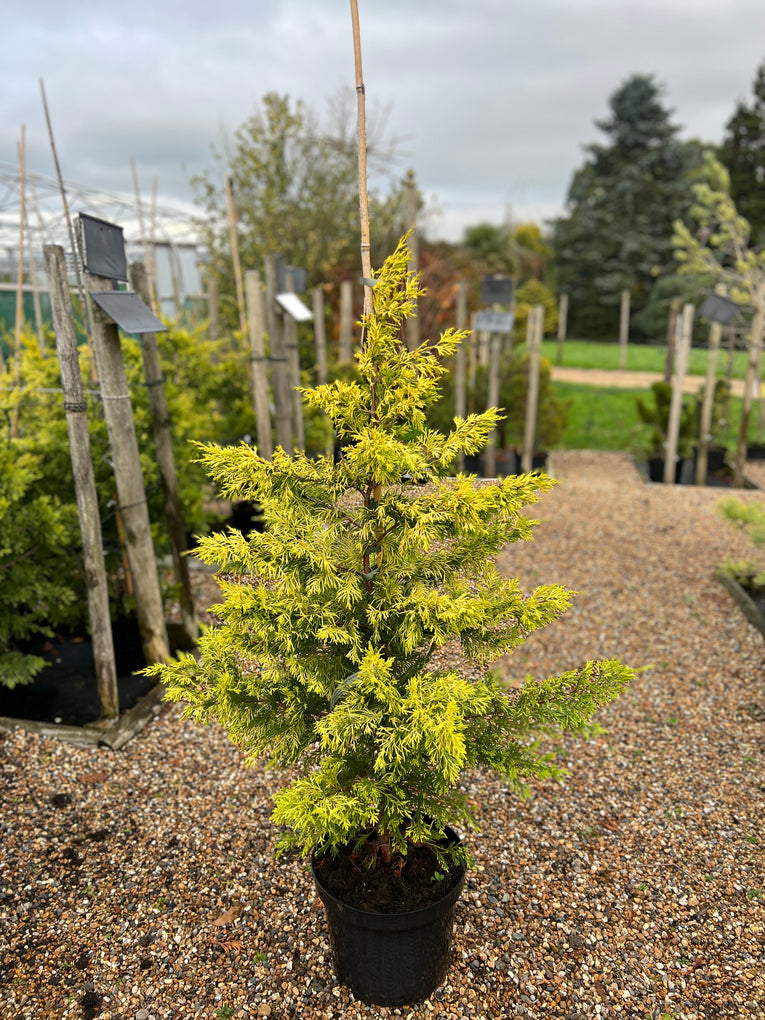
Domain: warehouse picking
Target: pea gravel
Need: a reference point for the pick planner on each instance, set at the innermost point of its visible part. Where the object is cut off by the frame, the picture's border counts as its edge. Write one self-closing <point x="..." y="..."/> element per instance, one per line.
<point x="141" y="884"/>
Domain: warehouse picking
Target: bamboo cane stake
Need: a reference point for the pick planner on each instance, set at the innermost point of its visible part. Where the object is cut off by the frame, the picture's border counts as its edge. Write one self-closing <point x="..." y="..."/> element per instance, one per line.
<point x="460" y="396"/>
<point x="366" y="257"/>
<point x="139" y="207"/>
<point x="84" y="305"/>
<point x="86" y="496"/>
<point x="412" y="323"/>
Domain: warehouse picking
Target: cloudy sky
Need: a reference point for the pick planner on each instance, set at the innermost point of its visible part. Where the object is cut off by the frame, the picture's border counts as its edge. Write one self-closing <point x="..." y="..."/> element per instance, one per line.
<point x="492" y="99"/>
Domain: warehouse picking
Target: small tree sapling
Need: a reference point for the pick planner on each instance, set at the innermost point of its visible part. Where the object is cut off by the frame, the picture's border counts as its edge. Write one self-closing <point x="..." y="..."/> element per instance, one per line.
<point x="331" y="617"/>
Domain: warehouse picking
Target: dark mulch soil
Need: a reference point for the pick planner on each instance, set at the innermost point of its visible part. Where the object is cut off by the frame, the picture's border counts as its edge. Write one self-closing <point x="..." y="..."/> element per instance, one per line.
<point x="407" y="883"/>
<point x="65" y="691"/>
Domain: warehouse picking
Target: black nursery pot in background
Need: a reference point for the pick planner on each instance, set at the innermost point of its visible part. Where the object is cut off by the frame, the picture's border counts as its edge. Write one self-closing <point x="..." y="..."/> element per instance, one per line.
<point x="391" y="959"/>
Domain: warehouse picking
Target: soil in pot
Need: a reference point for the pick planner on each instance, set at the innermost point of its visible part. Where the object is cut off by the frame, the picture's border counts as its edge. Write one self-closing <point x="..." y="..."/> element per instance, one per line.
<point x="65" y="691"/>
<point x="407" y="883"/>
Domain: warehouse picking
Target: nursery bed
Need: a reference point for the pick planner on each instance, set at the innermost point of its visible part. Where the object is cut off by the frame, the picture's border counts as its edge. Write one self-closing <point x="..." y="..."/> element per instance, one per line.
<point x="142" y="884"/>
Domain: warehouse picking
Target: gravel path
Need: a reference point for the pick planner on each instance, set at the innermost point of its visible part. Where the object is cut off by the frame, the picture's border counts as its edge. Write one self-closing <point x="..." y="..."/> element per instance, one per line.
<point x="141" y="884"/>
<point x="622" y="379"/>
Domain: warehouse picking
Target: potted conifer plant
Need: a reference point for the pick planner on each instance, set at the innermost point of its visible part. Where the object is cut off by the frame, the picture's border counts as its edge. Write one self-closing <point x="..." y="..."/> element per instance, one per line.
<point x="323" y="661"/>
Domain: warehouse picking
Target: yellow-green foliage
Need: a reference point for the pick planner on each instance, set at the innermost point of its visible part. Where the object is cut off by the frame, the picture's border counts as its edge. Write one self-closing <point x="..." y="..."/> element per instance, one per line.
<point x="331" y="616"/>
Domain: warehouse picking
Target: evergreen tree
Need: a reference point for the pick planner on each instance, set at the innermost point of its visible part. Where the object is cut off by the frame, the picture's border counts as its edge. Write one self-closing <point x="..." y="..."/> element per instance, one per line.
<point x="332" y="615"/>
<point x="743" y="154"/>
<point x="621" y="206"/>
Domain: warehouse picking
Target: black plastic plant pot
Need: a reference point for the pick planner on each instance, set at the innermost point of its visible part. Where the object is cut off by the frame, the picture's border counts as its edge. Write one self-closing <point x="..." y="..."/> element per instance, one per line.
<point x="391" y="959"/>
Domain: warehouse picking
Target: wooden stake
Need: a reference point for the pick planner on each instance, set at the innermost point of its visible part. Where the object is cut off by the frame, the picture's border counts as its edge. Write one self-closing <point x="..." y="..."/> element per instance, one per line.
<point x="705" y="427"/>
<point x="345" y="337"/>
<point x="84" y="305"/>
<point x="492" y="400"/>
<point x="460" y="396"/>
<point x="233" y="231"/>
<point x="163" y="445"/>
<point x="212" y="306"/>
<point x="320" y="335"/>
<point x="279" y="366"/>
<point x="256" y="315"/>
<point x="128" y="477"/>
<point x="84" y="481"/>
<point x="293" y="364"/>
<point x="674" y="313"/>
<point x="532" y="394"/>
<point x="676" y="404"/>
<point x="562" y="324"/>
<point x="366" y="258"/>
<point x="624" y="327"/>
<point x="752" y="382"/>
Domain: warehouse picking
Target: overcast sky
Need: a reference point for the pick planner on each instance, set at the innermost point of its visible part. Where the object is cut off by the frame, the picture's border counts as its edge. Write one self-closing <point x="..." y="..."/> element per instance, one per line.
<point x="492" y="99"/>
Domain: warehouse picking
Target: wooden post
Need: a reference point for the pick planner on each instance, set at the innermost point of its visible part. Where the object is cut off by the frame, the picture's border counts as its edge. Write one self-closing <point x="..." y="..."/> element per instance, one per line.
<point x="676" y="404"/>
<point x="256" y="316"/>
<point x="212" y="307"/>
<point x="85" y="493"/>
<point x="412" y="323"/>
<point x="531" y="326"/>
<point x="532" y="393"/>
<point x="279" y="367"/>
<point x="752" y="382"/>
<point x="672" y="332"/>
<point x="705" y="427"/>
<point x="345" y="338"/>
<point x="320" y="335"/>
<point x="472" y="363"/>
<point x="562" y="324"/>
<point x="293" y="366"/>
<point x="233" y="232"/>
<point x="460" y="396"/>
<point x="128" y="477"/>
<point x="163" y="445"/>
<point x="624" y="327"/>
<point x="492" y="400"/>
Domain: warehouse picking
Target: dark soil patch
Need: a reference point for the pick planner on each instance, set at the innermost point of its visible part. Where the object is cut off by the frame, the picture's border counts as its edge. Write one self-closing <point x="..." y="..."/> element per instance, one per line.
<point x="65" y="691"/>
<point x="407" y="883"/>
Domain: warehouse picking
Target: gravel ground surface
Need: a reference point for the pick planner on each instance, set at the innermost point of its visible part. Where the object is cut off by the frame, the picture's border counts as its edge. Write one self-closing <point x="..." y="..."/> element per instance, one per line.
<point x="141" y="884"/>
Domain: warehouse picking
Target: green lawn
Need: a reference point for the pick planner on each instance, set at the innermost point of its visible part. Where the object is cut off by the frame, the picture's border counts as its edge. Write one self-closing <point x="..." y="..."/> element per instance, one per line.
<point x="640" y="357"/>
<point x="606" y="418"/>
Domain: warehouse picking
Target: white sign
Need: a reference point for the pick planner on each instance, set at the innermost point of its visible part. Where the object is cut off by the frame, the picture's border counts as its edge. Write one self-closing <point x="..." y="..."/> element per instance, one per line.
<point x="294" y="307"/>
<point x="487" y="321"/>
